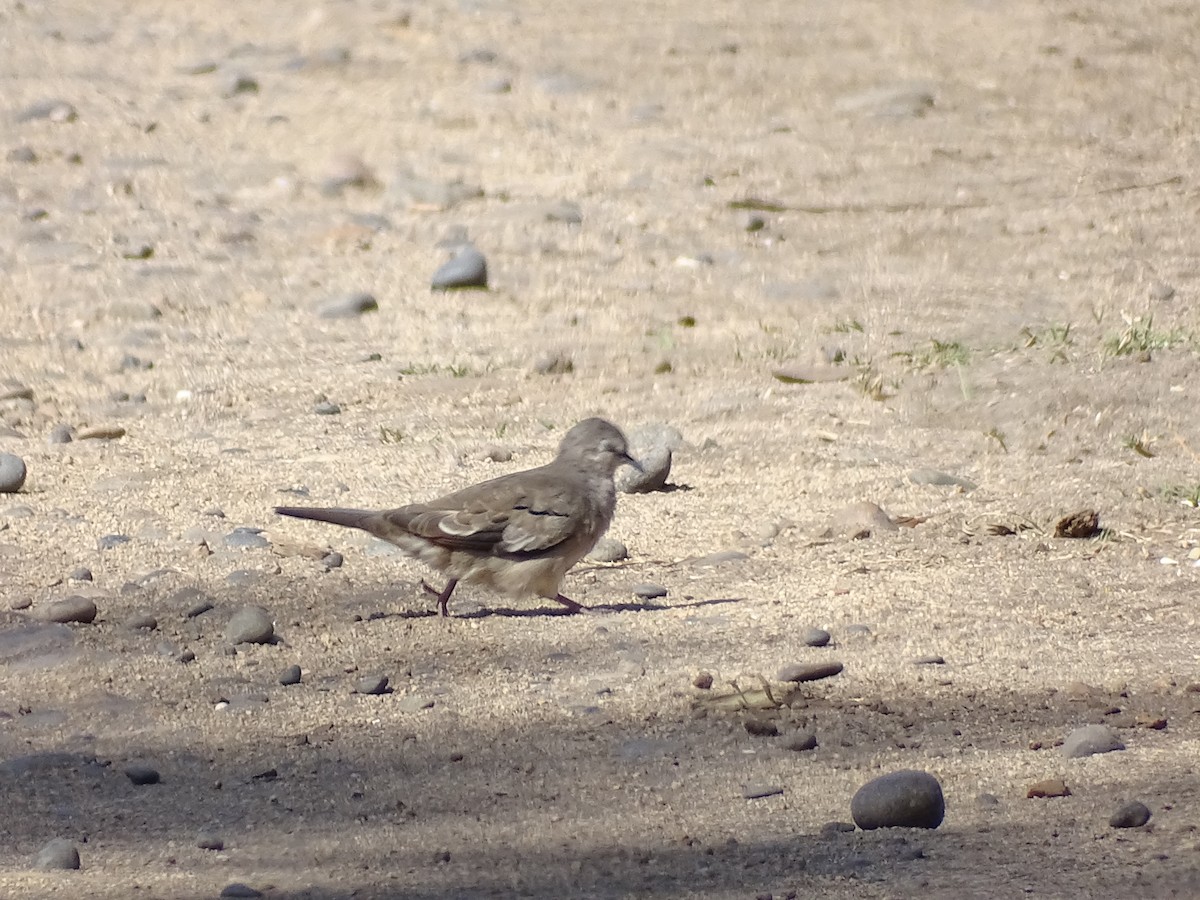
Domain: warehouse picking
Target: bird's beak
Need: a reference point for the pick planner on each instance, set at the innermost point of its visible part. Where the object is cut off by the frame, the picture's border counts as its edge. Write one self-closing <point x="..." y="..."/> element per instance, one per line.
<point x="630" y="461"/>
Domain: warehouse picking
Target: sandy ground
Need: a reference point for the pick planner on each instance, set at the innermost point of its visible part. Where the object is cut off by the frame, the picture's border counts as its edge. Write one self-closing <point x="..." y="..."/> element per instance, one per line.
<point x="978" y="237"/>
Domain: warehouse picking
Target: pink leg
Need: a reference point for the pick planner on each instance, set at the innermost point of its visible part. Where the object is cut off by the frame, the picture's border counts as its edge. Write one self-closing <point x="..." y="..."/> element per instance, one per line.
<point x="570" y="604"/>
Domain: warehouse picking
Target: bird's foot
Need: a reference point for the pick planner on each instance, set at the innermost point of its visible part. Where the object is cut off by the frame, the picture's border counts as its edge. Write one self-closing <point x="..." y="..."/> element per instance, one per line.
<point x="570" y="604"/>
<point x="443" y="596"/>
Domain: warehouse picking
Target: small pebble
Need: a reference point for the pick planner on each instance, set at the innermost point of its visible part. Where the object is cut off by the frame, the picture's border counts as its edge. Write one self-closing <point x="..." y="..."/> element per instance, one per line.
<point x="1049" y="787"/>
<point x="61" y="433"/>
<point x="326" y="408"/>
<point x="141" y="775"/>
<point x="815" y="637"/>
<point x="239" y="890"/>
<point x="467" y="269"/>
<point x="209" y="840"/>
<point x="649" y="591"/>
<point x="68" y="609"/>
<point x="414" y="703"/>
<point x="608" y="550"/>
<point x="290" y="675"/>
<point x="83" y="573"/>
<point x="1161" y="291"/>
<point x="371" y="684"/>
<point x="929" y="660"/>
<point x="761" y="728"/>
<point x="239" y="83"/>
<point x="101" y="433"/>
<point x="246" y="538"/>
<point x="110" y="541"/>
<point x="1131" y="815"/>
<point x="904" y="799"/>
<point x="141" y="621"/>
<point x="801" y="741"/>
<point x="59" y="853"/>
<point x="758" y="791"/>
<point x="348" y="306"/>
<point x="831" y="828"/>
<point x="940" y="479"/>
<point x="798" y="672"/>
<point x="53" y="110"/>
<point x="1090" y="740"/>
<point x="656" y="467"/>
<point x="753" y="222"/>
<point x="250" y="625"/>
<point x="703" y="681"/>
<point x="12" y="473"/>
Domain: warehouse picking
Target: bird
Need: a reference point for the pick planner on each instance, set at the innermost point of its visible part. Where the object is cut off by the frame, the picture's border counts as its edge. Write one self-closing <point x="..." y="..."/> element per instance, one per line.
<point x="518" y="534"/>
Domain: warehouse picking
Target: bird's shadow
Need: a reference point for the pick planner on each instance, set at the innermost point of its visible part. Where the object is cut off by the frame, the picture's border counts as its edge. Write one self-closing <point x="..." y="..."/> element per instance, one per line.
<point x="550" y="612"/>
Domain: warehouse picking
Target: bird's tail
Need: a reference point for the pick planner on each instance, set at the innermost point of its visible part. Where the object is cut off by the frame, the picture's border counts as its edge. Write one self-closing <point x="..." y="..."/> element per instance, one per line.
<point x="350" y="518"/>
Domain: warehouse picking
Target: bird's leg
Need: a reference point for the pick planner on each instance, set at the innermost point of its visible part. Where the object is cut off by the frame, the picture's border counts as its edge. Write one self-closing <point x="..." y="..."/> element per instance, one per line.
<point x="570" y="604"/>
<point x="443" y="596"/>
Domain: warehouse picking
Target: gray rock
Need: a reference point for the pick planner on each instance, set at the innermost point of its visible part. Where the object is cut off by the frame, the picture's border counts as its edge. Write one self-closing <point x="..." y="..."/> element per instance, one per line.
<point x="246" y="538"/>
<point x="61" y="433"/>
<point x="1161" y="291"/>
<point x="209" y="840"/>
<point x="608" y="550"/>
<point x="832" y="828"/>
<point x="414" y="703"/>
<point x="12" y="473"/>
<point x="290" y="675"/>
<point x="466" y="269"/>
<point x="51" y="110"/>
<point x="326" y="408"/>
<point x="1131" y="815"/>
<point x="141" y="774"/>
<point x="238" y="83"/>
<point x="239" y="890"/>
<point x="83" y="573"/>
<point x="348" y="306"/>
<point x="111" y="541"/>
<point x="758" y="791"/>
<point x="799" y="672"/>
<point x="940" y="479"/>
<point x="59" y="853"/>
<point x="905" y="799"/>
<point x="371" y="684"/>
<point x="929" y="659"/>
<point x="815" y="637"/>
<point x="68" y="609"/>
<point x="656" y="466"/>
<point x="801" y="741"/>
<point x="1090" y="740"/>
<point x="250" y="625"/>
<point x="649" y="591"/>
<point x="141" y="621"/>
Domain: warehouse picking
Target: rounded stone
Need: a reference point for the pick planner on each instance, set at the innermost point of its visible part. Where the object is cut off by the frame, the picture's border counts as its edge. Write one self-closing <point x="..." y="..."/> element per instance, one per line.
<point x="656" y="466"/>
<point x="290" y="675"/>
<point x="649" y="591"/>
<point x="467" y="269"/>
<point x="250" y="625"/>
<point x="815" y="637"/>
<point x="1131" y="815"/>
<point x="68" y="609"/>
<point x="904" y="799"/>
<point x="371" y="684"/>
<point x="141" y="621"/>
<point x="59" y="853"/>
<point x="141" y="775"/>
<point x="348" y="306"/>
<point x="1090" y="740"/>
<point x="798" y="672"/>
<point x="608" y="550"/>
<point x="12" y="473"/>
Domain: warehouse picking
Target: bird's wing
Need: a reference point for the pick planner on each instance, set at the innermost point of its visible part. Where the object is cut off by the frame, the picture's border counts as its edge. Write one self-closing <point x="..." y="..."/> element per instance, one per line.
<point x="527" y="514"/>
